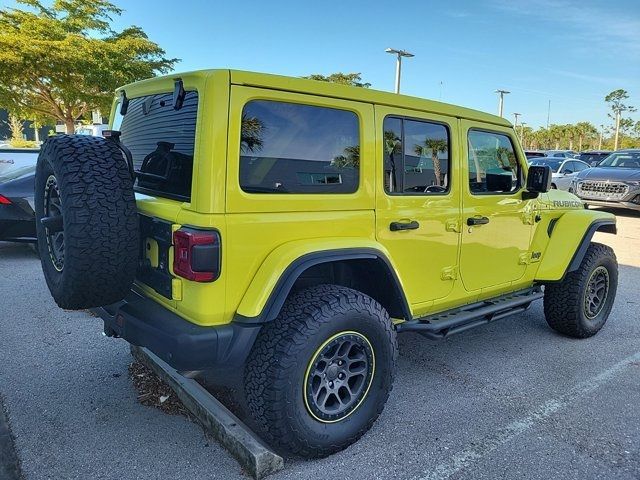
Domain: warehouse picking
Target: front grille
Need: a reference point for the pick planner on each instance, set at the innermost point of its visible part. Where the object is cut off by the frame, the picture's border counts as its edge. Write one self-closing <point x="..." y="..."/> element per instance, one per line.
<point x="609" y="190"/>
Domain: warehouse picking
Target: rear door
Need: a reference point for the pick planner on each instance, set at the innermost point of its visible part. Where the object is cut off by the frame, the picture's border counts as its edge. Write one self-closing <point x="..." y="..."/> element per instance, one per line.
<point x="497" y="221"/>
<point x="418" y="200"/>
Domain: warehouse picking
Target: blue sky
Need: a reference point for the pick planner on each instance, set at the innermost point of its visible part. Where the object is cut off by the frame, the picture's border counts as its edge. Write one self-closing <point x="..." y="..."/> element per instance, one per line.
<point x="570" y="52"/>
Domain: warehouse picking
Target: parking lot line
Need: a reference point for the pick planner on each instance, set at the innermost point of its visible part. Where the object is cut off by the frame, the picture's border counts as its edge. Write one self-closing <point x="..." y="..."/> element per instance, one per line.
<point x="468" y="456"/>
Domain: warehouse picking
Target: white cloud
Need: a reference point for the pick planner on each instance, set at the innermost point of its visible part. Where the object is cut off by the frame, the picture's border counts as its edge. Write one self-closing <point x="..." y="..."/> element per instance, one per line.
<point x="597" y="27"/>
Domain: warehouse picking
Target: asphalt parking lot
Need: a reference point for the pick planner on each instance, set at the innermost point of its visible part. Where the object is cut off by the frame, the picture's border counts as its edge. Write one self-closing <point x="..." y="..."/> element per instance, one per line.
<point x="509" y="400"/>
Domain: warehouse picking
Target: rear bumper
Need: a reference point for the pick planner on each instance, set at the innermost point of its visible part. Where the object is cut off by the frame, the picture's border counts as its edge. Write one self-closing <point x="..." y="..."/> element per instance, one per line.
<point x="183" y="345"/>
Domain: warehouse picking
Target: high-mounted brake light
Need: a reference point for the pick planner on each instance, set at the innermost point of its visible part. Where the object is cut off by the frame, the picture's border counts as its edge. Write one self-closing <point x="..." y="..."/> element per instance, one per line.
<point x="196" y="254"/>
<point x="4" y="200"/>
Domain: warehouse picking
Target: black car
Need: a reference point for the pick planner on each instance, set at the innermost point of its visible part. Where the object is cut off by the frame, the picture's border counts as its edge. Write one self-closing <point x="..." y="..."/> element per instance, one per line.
<point x="534" y="154"/>
<point x="615" y="182"/>
<point x="17" y="216"/>
<point x="594" y="157"/>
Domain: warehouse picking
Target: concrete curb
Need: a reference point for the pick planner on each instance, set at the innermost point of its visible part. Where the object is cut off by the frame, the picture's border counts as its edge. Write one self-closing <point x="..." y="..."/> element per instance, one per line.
<point x="252" y="454"/>
<point x="9" y="463"/>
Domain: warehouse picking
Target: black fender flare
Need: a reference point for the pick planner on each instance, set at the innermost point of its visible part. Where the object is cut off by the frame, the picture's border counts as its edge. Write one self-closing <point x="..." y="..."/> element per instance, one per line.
<point x="608" y="226"/>
<point x="301" y="264"/>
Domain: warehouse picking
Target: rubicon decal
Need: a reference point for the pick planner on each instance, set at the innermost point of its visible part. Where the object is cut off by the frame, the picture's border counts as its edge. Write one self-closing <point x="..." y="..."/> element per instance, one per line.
<point x="567" y="204"/>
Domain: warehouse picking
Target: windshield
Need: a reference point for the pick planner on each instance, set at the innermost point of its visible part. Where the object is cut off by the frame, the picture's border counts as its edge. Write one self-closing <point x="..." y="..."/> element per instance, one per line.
<point x="622" y="160"/>
<point x="553" y="164"/>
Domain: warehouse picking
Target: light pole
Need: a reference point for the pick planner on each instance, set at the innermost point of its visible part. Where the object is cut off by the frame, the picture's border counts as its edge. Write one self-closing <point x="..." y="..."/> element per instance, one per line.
<point x="601" y="135"/>
<point x="515" y="125"/>
<point x="399" y="54"/>
<point x="522" y="133"/>
<point x="502" y="93"/>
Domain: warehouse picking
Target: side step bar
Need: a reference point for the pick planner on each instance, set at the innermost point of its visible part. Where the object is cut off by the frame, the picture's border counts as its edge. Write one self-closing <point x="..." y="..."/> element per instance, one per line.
<point x="444" y="324"/>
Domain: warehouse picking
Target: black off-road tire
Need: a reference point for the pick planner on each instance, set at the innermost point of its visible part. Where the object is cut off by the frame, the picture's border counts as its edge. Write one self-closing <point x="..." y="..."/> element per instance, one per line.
<point x="95" y="261"/>
<point x="279" y="364"/>
<point x="566" y="305"/>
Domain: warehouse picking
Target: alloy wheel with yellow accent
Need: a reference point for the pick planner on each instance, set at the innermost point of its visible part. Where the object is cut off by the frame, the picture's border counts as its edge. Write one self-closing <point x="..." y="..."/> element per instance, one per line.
<point x="339" y="376"/>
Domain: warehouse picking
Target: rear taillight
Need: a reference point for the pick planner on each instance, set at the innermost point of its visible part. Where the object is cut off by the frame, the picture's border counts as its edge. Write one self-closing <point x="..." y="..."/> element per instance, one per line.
<point x="196" y="254"/>
<point x="4" y="200"/>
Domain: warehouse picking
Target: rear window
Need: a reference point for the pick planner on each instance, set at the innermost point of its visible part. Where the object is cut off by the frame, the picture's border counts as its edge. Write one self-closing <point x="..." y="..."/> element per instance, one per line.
<point x="161" y="141"/>
<point x="295" y="148"/>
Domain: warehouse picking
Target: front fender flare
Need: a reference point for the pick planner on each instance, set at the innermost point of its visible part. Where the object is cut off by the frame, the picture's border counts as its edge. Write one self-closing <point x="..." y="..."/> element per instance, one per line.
<point x="570" y="236"/>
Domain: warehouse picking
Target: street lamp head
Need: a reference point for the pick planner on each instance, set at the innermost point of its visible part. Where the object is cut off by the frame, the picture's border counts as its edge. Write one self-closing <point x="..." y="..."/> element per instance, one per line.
<point x="504" y="92"/>
<point x="401" y="53"/>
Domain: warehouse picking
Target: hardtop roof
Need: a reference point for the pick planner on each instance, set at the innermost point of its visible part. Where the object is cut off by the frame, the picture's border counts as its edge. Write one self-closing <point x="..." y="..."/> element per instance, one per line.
<point x="327" y="89"/>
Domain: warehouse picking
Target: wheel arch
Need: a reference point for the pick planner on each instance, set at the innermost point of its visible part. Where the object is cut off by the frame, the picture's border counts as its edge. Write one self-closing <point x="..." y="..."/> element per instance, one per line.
<point x="363" y="268"/>
<point x="569" y="239"/>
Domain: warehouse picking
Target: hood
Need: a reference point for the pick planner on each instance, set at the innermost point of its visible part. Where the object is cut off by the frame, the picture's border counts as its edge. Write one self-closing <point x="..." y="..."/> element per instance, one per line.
<point x="614" y="174"/>
<point x="559" y="200"/>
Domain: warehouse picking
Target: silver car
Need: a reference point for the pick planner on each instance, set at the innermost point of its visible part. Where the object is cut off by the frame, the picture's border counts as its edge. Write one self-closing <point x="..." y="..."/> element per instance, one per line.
<point x="564" y="170"/>
<point x="615" y="182"/>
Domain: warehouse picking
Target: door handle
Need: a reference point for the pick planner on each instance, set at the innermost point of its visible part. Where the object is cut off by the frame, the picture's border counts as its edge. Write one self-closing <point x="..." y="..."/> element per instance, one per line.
<point x="396" y="226"/>
<point x="472" y="221"/>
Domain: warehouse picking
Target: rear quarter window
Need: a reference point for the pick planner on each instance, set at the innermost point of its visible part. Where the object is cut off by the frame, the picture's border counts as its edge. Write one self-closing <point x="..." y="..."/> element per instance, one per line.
<point x="296" y="148"/>
<point x="162" y="142"/>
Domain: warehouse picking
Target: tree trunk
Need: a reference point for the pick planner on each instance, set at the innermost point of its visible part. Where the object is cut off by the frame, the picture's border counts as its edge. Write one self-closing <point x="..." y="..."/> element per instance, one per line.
<point x="437" y="169"/>
<point x="70" y="126"/>
<point x="557" y="145"/>
<point x="571" y="144"/>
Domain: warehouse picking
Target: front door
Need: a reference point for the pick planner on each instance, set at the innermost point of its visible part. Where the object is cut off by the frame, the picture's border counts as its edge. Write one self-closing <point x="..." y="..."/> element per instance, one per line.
<point x="496" y="220"/>
<point x="418" y="200"/>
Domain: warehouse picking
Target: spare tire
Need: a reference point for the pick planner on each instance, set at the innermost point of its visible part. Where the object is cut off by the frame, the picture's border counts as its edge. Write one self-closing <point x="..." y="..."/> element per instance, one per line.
<point x="86" y="221"/>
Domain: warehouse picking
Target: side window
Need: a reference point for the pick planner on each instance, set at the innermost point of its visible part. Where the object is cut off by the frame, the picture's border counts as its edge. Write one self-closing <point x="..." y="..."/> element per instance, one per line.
<point x="570" y="167"/>
<point x="579" y="166"/>
<point x="295" y="148"/>
<point x="493" y="166"/>
<point x="416" y="156"/>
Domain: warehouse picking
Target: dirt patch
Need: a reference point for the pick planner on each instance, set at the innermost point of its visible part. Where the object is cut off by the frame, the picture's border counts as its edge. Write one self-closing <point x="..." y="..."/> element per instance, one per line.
<point x="153" y="392"/>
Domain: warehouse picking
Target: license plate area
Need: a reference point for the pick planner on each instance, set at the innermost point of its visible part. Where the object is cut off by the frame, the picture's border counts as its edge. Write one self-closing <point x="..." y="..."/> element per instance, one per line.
<point x="153" y="265"/>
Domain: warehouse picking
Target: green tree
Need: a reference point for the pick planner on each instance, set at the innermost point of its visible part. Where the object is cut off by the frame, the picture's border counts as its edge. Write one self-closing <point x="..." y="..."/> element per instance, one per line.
<point x="434" y="146"/>
<point x="64" y="60"/>
<point x="353" y="79"/>
<point x="585" y="131"/>
<point x="392" y="147"/>
<point x="556" y="135"/>
<point x="349" y="159"/>
<point x="617" y="101"/>
<point x="251" y="131"/>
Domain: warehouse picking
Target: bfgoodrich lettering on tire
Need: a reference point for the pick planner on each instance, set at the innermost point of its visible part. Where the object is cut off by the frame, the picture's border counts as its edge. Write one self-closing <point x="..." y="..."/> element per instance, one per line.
<point x="320" y="374"/>
<point x="86" y="221"/>
<point x="580" y="304"/>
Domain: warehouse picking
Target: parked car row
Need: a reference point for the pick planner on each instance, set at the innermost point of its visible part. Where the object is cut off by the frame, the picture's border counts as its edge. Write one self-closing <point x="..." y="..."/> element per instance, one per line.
<point x="17" y="174"/>
<point x="592" y="157"/>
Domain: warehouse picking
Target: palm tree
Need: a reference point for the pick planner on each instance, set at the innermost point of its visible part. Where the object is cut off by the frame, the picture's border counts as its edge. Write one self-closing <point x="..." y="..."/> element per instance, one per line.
<point x="556" y="134"/>
<point x="585" y="131"/>
<point x="251" y="130"/>
<point x="392" y="147"/>
<point x="349" y="159"/>
<point x="435" y="146"/>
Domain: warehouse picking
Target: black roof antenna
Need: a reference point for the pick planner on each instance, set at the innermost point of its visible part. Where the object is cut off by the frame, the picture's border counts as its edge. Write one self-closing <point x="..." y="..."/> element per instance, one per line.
<point x="178" y="94"/>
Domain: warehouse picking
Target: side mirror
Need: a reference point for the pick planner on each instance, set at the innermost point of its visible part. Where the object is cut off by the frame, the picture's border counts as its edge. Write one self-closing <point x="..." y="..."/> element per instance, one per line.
<point x="567" y="172"/>
<point x="538" y="180"/>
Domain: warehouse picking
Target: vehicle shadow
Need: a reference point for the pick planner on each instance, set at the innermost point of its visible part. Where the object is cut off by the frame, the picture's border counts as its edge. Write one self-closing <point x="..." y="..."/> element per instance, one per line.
<point x="17" y="251"/>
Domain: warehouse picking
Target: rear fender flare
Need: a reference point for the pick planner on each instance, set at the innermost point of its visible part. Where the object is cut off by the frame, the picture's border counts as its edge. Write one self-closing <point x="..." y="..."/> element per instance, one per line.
<point x="278" y="273"/>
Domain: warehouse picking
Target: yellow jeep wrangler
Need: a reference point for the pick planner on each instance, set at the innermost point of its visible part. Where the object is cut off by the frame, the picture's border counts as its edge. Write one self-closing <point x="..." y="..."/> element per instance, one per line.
<point x="289" y="229"/>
